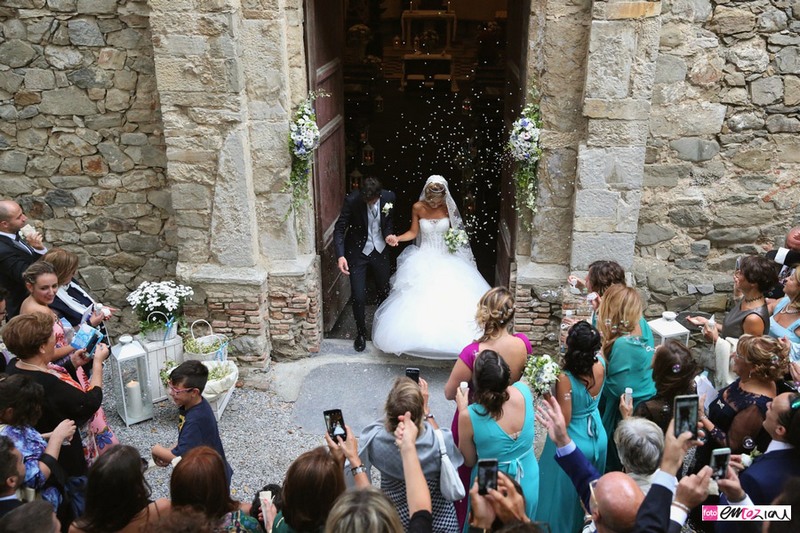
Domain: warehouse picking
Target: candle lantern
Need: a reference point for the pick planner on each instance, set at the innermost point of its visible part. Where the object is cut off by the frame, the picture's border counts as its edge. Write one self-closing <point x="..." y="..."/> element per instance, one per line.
<point x="367" y="155"/>
<point x="130" y="371"/>
<point x="667" y="327"/>
<point x="355" y="179"/>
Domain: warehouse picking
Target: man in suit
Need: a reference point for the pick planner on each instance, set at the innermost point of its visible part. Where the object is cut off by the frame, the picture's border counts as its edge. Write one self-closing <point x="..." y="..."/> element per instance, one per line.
<point x="359" y="238"/>
<point x="13" y="471"/>
<point x="16" y="254"/>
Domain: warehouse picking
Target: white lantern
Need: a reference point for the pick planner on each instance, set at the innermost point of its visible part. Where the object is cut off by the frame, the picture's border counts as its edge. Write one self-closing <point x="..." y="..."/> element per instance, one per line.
<point x="130" y="374"/>
<point x="667" y="327"/>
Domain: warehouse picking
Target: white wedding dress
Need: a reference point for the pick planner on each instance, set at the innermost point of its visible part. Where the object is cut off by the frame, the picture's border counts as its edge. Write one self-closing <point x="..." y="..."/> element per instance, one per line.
<point x="430" y="311"/>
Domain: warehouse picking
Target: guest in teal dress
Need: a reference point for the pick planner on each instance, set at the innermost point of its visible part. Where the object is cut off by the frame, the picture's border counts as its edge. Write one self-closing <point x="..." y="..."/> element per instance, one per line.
<point x="628" y="349"/>
<point x="578" y="393"/>
<point x="499" y="425"/>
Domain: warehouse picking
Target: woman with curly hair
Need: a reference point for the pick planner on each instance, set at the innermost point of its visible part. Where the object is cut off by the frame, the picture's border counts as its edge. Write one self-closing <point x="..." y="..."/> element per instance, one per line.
<point x="628" y="355"/>
<point x="500" y="425"/>
<point x="735" y="418"/>
<point x="578" y="393"/>
<point x="674" y="370"/>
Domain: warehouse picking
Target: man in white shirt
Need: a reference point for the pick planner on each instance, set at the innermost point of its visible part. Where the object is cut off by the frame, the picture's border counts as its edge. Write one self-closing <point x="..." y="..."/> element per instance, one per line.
<point x="16" y="253"/>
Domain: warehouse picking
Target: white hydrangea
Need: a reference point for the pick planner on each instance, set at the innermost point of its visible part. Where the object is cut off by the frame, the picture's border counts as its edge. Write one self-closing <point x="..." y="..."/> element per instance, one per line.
<point x="163" y="296"/>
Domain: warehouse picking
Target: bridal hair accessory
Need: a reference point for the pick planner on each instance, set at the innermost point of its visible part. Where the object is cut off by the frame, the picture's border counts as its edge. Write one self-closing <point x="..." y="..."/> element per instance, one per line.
<point x="676" y="368"/>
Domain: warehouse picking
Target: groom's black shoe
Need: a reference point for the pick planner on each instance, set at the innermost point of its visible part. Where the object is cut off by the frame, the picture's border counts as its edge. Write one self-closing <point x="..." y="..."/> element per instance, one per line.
<point x="360" y="343"/>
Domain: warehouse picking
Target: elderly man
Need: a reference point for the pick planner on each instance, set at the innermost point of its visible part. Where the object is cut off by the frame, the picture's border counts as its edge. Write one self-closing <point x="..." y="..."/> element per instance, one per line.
<point x="640" y="443"/>
<point x="788" y="257"/>
<point x="16" y="253"/>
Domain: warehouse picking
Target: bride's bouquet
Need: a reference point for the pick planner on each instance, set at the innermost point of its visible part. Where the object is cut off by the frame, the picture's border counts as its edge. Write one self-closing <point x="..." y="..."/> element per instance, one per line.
<point x="541" y="373"/>
<point x="455" y="239"/>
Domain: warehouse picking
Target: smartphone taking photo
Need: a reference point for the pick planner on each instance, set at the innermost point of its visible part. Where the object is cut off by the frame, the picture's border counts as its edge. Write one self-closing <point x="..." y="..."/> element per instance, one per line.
<point x="720" y="459"/>
<point x="334" y="422"/>
<point x="685" y="413"/>
<point x="413" y="373"/>
<point x="487" y="475"/>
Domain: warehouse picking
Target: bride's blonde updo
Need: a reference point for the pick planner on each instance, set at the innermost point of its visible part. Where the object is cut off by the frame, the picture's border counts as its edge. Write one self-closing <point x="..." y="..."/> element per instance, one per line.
<point x="435" y="191"/>
<point x="495" y="312"/>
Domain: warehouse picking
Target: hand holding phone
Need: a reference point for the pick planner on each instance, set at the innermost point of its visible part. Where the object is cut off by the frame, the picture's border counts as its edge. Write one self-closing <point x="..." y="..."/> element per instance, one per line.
<point x="720" y="459"/>
<point x="685" y="413"/>
<point x="487" y="476"/>
<point x="334" y="422"/>
<point x="413" y="373"/>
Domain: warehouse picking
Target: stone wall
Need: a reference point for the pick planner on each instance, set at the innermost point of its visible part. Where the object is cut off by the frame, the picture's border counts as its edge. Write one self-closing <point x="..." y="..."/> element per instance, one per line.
<point x="723" y="154"/>
<point x="81" y="139"/>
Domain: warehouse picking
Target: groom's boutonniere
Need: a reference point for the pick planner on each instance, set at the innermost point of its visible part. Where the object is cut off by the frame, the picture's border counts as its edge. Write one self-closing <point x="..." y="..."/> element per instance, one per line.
<point x="387" y="207"/>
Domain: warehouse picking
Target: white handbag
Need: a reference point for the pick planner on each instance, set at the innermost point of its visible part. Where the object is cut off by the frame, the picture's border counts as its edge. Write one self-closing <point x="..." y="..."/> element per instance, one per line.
<point x="450" y="484"/>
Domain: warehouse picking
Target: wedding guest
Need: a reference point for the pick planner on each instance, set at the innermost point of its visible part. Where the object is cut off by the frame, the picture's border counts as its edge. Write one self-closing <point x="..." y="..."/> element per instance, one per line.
<point x="21" y="404"/>
<point x="313" y="483"/>
<point x="500" y="425"/>
<point x="12" y="471"/>
<point x="199" y="428"/>
<point x="380" y="450"/>
<point x="640" y="443"/>
<point x="735" y="418"/>
<point x="72" y="301"/>
<point x="359" y="240"/>
<point x="16" y="253"/>
<point x="578" y="393"/>
<point x="5" y="355"/>
<point x="200" y="481"/>
<point x="32" y="339"/>
<point x="785" y="320"/>
<point x="629" y="357"/>
<point x="674" y="370"/>
<point x="788" y="257"/>
<point x="752" y="276"/>
<point x="42" y="284"/>
<point x="117" y="495"/>
<point x="35" y="516"/>
<point x="495" y="316"/>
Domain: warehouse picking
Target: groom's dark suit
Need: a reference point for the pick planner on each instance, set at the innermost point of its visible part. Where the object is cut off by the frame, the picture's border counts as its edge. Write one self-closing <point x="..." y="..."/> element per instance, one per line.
<point x="349" y="238"/>
<point x="13" y="262"/>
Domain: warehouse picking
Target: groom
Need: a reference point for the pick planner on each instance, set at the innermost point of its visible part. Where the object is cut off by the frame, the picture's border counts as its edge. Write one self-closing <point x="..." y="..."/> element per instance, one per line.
<point x="359" y="238"/>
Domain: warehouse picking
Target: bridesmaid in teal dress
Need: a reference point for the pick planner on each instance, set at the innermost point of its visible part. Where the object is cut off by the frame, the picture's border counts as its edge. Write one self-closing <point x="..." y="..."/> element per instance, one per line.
<point x="499" y="425"/>
<point x="628" y="349"/>
<point x="578" y="393"/>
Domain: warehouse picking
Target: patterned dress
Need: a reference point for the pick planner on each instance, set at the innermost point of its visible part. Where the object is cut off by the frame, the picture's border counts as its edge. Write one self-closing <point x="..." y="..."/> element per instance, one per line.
<point x="31" y="445"/>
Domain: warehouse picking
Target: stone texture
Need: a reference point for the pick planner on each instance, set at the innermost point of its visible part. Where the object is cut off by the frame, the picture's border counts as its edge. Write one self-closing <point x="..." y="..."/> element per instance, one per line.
<point x="650" y="234"/>
<point x="765" y="91"/>
<point x="788" y="60"/>
<point x="37" y="79"/>
<point x="694" y="149"/>
<point x="116" y="159"/>
<point x="62" y="57"/>
<point x="13" y="161"/>
<point x="67" y="101"/>
<point x="749" y="56"/>
<point x="732" y="20"/>
<point x="84" y="32"/>
<point x="16" y="53"/>
<point x="96" y="7"/>
<point x="782" y="124"/>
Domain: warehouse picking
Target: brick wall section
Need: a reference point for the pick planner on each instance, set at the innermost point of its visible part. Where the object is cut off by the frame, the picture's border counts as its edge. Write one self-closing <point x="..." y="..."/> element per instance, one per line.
<point x="533" y="316"/>
<point x="295" y="313"/>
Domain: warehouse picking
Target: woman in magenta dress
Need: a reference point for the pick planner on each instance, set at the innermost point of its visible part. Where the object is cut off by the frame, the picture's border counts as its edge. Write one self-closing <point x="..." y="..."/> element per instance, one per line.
<point x="495" y="315"/>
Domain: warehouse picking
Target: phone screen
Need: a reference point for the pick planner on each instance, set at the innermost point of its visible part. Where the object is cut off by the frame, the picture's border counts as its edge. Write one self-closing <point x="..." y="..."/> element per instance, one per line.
<point x="685" y="412"/>
<point x="720" y="459"/>
<point x="92" y="344"/>
<point x="413" y="373"/>
<point x="334" y="422"/>
<point x="487" y="475"/>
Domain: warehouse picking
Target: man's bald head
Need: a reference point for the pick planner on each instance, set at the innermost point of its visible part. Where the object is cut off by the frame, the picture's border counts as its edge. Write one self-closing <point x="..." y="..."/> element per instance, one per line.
<point x="793" y="239"/>
<point x="618" y="499"/>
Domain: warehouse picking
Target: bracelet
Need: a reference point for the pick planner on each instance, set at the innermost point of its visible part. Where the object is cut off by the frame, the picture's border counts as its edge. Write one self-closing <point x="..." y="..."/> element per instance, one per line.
<point x="681" y="506"/>
<point x="358" y="470"/>
<point x="429" y="415"/>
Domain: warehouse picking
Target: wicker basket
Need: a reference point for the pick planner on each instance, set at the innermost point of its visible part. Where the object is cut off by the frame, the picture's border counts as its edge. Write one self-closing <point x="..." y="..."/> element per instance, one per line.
<point x="218" y="354"/>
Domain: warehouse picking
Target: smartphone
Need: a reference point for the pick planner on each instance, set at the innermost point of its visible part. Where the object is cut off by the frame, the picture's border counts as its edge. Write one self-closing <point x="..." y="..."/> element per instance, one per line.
<point x="720" y="458"/>
<point x="334" y="422"/>
<point x="685" y="413"/>
<point x="413" y="373"/>
<point x="92" y="344"/>
<point x="487" y="475"/>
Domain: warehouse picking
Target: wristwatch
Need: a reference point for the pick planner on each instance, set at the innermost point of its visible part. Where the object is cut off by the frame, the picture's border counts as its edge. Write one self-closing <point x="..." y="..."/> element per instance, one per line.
<point x="358" y="469"/>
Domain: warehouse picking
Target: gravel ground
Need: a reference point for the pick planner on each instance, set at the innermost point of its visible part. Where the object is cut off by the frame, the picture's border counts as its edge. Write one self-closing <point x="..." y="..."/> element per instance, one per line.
<point x="258" y="434"/>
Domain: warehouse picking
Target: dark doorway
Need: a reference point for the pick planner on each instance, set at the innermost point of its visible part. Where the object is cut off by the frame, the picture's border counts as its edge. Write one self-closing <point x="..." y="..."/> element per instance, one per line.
<point x="425" y="93"/>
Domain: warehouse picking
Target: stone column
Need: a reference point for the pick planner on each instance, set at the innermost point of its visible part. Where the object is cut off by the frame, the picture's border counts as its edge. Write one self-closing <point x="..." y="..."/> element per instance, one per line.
<point x="621" y="65"/>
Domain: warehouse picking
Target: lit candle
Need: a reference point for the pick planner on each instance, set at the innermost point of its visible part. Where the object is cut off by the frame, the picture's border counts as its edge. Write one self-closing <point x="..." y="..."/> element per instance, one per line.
<point x="133" y="399"/>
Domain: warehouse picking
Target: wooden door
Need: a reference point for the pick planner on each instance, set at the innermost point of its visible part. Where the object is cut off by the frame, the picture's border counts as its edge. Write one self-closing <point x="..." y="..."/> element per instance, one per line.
<point x="324" y="49"/>
<point x="516" y="57"/>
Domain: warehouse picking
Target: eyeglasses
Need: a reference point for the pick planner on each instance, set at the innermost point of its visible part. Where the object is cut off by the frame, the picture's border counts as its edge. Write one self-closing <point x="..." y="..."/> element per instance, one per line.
<point x="174" y="390"/>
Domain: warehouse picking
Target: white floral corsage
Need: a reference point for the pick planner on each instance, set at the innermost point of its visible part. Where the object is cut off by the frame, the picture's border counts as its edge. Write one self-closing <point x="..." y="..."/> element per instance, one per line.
<point x="387" y="207"/>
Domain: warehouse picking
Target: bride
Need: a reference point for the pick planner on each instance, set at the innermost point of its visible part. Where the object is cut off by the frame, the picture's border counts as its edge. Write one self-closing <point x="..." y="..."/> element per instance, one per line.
<point x="430" y="311"/>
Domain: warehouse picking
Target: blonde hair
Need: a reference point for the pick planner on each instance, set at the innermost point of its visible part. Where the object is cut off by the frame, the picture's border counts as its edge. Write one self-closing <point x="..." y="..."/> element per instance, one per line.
<point x="495" y="312"/>
<point x="363" y="510"/>
<point x="405" y="396"/>
<point x="619" y="314"/>
<point x="64" y="262"/>
<point x="767" y="356"/>
<point x="434" y="190"/>
<point x="795" y="302"/>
